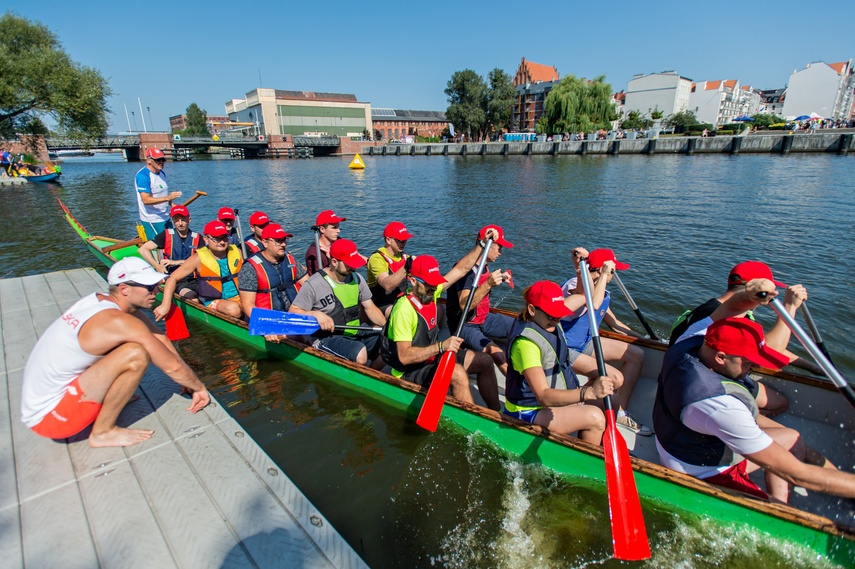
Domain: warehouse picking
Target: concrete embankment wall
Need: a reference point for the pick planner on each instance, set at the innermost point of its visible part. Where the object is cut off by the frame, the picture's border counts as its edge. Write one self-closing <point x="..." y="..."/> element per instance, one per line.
<point x="841" y="143"/>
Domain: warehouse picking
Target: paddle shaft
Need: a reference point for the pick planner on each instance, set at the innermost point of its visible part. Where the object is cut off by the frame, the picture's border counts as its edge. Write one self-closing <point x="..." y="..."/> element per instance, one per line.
<point x="823" y="362"/>
<point x="194" y="197"/>
<point x="319" y="265"/>
<point x="481" y="264"/>
<point x="595" y="328"/>
<point x="122" y="245"/>
<point x="240" y="233"/>
<point x="635" y="308"/>
<point x="814" y="331"/>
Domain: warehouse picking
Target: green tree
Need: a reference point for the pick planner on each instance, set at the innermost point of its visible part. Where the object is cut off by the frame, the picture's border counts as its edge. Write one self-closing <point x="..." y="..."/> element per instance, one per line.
<point x="656" y="114"/>
<point x="466" y="93"/>
<point x="197" y="121"/>
<point x="579" y="105"/>
<point x="763" y="120"/>
<point x="39" y="79"/>
<point x="634" y="120"/>
<point x="681" y="121"/>
<point x="501" y="96"/>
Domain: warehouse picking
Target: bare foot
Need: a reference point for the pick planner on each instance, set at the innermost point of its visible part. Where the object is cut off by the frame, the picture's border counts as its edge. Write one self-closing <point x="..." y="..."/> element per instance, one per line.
<point x="119" y="437"/>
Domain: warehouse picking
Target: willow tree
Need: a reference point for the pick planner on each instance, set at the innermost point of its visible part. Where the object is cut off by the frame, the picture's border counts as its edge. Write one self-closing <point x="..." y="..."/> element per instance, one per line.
<point x="579" y="105"/>
<point x="40" y="80"/>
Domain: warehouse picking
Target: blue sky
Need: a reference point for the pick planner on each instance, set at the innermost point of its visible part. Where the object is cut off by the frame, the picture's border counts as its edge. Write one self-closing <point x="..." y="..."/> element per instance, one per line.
<point x="401" y="54"/>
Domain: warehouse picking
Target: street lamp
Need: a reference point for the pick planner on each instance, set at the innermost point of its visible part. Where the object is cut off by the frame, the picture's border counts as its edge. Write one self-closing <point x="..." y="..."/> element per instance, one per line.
<point x="149" y="118"/>
<point x="134" y="116"/>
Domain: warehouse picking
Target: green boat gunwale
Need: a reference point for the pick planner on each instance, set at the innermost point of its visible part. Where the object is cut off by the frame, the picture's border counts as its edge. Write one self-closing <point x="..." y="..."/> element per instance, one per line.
<point x="839" y="539"/>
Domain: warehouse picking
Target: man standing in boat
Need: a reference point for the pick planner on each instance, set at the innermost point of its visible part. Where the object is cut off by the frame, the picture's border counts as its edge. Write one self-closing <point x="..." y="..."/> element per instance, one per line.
<point x="327" y="226"/>
<point x="87" y="365"/>
<point x="216" y="266"/>
<point x="176" y="245"/>
<point x="335" y="296"/>
<point x="602" y="264"/>
<point x="707" y="421"/>
<point x="482" y="325"/>
<point x="271" y="278"/>
<point x="387" y="267"/>
<point x="153" y="195"/>
<point x="410" y="342"/>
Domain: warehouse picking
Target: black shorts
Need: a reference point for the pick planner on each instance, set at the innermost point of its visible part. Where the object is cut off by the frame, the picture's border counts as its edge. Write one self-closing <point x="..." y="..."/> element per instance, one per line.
<point x="424" y="375"/>
<point x="348" y="347"/>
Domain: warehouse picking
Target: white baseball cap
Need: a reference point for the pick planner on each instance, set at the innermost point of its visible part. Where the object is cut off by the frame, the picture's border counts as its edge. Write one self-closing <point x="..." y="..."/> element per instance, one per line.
<point x="133" y="269"/>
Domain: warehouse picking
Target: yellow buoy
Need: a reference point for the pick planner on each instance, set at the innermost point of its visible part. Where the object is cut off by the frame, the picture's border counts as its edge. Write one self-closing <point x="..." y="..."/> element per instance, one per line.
<point x="357" y="163"/>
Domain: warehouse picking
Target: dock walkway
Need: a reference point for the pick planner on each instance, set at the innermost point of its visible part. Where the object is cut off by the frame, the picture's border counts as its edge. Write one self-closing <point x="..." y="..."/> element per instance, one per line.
<point x="199" y="493"/>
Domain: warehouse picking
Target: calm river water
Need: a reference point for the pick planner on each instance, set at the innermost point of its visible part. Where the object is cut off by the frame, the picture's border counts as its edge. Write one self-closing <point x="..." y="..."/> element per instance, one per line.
<point x="406" y="499"/>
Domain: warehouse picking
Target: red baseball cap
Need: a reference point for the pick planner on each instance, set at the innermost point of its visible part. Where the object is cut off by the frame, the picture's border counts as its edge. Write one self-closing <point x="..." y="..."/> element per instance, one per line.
<point x="426" y="268"/>
<point x="274" y="231"/>
<point x="179" y="210"/>
<point x="397" y="230"/>
<point x="482" y="235"/>
<point x="597" y="257"/>
<point x="154" y="153"/>
<point x="750" y="270"/>
<point x="743" y="337"/>
<point x="327" y="217"/>
<point x="258" y="218"/>
<point x="548" y="296"/>
<point x="345" y="251"/>
<point x="215" y="228"/>
<point x="226" y="213"/>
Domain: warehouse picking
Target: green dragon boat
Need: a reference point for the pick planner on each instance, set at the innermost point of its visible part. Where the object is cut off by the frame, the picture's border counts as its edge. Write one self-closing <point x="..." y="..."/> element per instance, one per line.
<point x="817" y="410"/>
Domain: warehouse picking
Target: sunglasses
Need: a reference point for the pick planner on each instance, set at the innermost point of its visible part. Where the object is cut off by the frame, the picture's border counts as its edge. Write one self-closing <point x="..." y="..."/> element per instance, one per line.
<point x="149" y="288"/>
<point x="159" y="160"/>
<point x="217" y="238"/>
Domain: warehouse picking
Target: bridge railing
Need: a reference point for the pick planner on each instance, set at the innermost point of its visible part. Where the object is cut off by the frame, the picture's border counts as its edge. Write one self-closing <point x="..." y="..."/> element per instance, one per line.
<point x="316" y="141"/>
<point x="116" y="141"/>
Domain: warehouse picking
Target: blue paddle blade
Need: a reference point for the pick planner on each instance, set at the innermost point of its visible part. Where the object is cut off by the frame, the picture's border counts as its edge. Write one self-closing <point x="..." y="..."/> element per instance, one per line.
<point x="264" y="321"/>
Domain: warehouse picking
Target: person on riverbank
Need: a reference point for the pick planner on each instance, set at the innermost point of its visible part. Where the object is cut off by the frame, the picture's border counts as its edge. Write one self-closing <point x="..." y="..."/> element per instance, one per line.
<point x="387" y="267"/>
<point x="482" y="326"/>
<point x="153" y="195"/>
<point x="257" y="222"/>
<point x="334" y="296"/>
<point x="410" y="342"/>
<point x="327" y="226"/>
<point x="271" y="278"/>
<point x="541" y="387"/>
<point x="216" y="266"/>
<point x="602" y="264"/>
<point x="176" y="245"/>
<point x="226" y="216"/>
<point x="87" y="365"/>
<point x="707" y="423"/>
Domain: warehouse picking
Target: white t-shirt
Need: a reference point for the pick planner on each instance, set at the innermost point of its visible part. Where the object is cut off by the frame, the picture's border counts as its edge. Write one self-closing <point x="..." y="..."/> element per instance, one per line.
<point x="726" y="418"/>
<point x="147" y="182"/>
<point x="57" y="359"/>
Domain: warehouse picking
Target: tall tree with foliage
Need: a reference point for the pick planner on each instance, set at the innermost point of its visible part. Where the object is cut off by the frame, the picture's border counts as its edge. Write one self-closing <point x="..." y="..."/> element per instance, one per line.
<point x="39" y="79"/>
<point x="681" y="121"/>
<point x="501" y="96"/>
<point x="764" y="120"/>
<point x="579" y="105"/>
<point x="197" y="121"/>
<point x="466" y="93"/>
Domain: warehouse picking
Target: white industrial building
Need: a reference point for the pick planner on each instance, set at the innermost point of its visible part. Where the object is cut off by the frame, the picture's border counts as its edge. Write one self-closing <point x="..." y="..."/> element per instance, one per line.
<point x="719" y="102"/>
<point x="666" y="91"/>
<point x="822" y="88"/>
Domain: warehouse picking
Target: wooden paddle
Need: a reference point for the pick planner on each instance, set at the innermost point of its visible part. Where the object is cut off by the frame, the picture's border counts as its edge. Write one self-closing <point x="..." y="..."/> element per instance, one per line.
<point x="838" y="380"/>
<point x="635" y="308"/>
<point x="122" y="245"/>
<point x="194" y="197"/>
<point x="264" y="321"/>
<point x="629" y="536"/>
<point x="435" y="399"/>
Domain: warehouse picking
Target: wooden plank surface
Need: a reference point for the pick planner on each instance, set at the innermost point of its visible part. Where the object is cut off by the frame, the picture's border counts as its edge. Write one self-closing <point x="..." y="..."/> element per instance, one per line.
<point x="199" y="493"/>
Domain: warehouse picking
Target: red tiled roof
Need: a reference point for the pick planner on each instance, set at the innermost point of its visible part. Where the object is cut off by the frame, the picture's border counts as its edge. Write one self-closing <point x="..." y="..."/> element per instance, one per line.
<point x="530" y="72"/>
<point x="711" y="85"/>
<point x="730" y="83"/>
<point x="839" y="67"/>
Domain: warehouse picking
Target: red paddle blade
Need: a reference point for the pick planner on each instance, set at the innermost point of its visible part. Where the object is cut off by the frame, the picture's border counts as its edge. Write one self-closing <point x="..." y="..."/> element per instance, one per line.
<point x="629" y="535"/>
<point x="434" y="400"/>
<point x="510" y="279"/>
<point x="176" y="326"/>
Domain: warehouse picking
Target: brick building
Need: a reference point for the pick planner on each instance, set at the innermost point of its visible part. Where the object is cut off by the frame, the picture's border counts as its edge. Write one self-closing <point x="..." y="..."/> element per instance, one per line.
<point x="215" y="123"/>
<point x="394" y="124"/>
<point x="533" y="82"/>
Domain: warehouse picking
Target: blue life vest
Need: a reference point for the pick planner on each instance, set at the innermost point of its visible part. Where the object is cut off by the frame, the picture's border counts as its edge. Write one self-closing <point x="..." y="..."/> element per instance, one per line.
<point x="577" y="332"/>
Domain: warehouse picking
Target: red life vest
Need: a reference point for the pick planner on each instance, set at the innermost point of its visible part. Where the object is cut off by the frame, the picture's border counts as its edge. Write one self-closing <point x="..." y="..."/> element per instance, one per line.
<point x="483" y="308"/>
<point x="271" y="282"/>
<point x="253" y="246"/>
<point x="171" y="243"/>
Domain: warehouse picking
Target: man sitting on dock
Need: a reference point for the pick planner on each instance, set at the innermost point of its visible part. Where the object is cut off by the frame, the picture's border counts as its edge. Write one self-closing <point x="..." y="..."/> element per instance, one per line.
<point x="257" y="222"/>
<point x="334" y="296"/>
<point x="410" y="340"/>
<point x="271" y="278"/>
<point x="87" y="365"/>
<point x="327" y="226"/>
<point x="216" y="266"/>
<point x="707" y="423"/>
<point x="482" y="326"/>
<point x="387" y="267"/>
<point x="153" y="195"/>
<point x="176" y="245"/>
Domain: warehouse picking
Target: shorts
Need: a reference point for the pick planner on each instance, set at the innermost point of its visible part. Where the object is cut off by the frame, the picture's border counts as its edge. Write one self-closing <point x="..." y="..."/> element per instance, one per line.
<point x="736" y="478"/>
<point x="588" y="351"/>
<point x="213" y="303"/>
<point x="527" y="415"/>
<point x="348" y="347"/>
<point x="70" y="416"/>
<point x="478" y="336"/>
<point x="187" y="285"/>
<point x="152" y="228"/>
<point x="424" y="375"/>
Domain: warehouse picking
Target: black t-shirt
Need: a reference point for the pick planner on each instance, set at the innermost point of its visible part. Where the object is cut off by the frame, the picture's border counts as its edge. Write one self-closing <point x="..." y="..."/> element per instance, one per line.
<point x="698" y="313"/>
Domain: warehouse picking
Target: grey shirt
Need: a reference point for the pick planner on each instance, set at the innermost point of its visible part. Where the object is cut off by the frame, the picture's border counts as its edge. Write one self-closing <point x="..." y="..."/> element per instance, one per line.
<point x="316" y="293"/>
